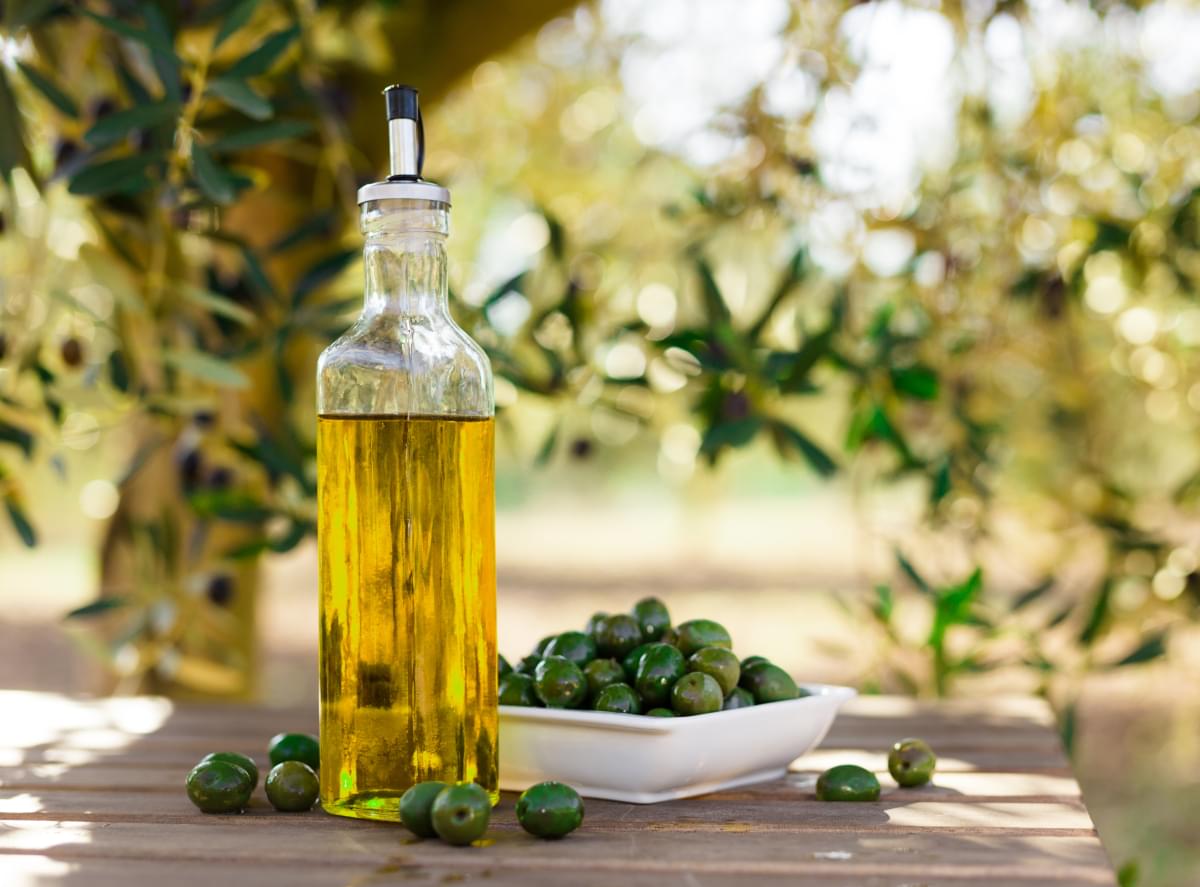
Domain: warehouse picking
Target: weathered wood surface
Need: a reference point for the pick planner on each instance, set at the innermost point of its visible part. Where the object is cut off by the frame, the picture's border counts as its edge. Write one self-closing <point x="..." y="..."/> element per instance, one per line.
<point x="91" y="794"/>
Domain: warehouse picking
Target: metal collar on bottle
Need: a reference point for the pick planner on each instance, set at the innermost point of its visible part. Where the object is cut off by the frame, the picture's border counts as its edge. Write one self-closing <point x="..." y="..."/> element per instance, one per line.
<point x="406" y="152"/>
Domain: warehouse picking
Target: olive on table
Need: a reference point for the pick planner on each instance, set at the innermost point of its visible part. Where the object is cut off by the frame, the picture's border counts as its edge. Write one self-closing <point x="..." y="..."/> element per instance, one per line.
<point x="540" y="649"/>
<point x="719" y="664"/>
<point x="517" y="689"/>
<point x="660" y="667"/>
<point x="847" y="782"/>
<point x="617" y="635"/>
<point x="232" y="757"/>
<point x="416" y="808"/>
<point x="302" y="747"/>
<point x="559" y="683"/>
<point x="618" y="698"/>
<point x="600" y="673"/>
<point x="460" y="813"/>
<point x="630" y="663"/>
<point x="292" y="787"/>
<point x="911" y="762"/>
<point x="768" y="683"/>
<point x="550" y="810"/>
<point x="502" y="666"/>
<point x="670" y="636"/>
<point x="660" y="713"/>
<point x="574" y="645"/>
<point x="696" y="694"/>
<point x="753" y="660"/>
<point x="697" y="633"/>
<point x="653" y="616"/>
<point x="219" y="787"/>
<point x="738" y="698"/>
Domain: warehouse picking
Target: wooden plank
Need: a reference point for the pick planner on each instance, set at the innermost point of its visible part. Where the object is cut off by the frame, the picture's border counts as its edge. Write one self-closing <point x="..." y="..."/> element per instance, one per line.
<point x="968" y="786"/>
<point x="346" y="845"/>
<point x="38" y="871"/>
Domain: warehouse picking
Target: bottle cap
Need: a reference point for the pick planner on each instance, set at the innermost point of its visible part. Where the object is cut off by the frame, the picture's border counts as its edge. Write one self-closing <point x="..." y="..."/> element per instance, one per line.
<point x="406" y="150"/>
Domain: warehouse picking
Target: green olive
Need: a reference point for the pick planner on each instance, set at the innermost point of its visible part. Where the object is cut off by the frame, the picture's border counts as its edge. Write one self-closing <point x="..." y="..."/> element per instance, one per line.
<point x="738" y="698"/>
<point x="660" y="713"/>
<point x="718" y="663"/>
<point x="503" y="667"/>
<point x="302" y="747"/>
<point x="660" y="667"/>
<point x="550" y="810"/>
<point x="768" y="683"/>
<point x="232" y="757"/>
<point x="517" y="689"/>
<point x="574" y="645"/>
<point x="653" y="616"/>
<point x="630" y="663"/>
<point x="618" y="698"/>
<point x="219" y="787"/>
<point x="540" y="649"/>
<point x="847" y="782"/>
<point x="697" y="633"/>
<point x="911" y="762"/>
<point x="593" y="624"/>
<point x="753" y="660"/>
<point x="416" y="808"/>
<point x="460" y="813"/>
<point x="559" y="683"/>
<point x="618" y="635"/>
<point x="696" y="694"/>
<point x="292" y="787"/>
<point x="600" y="673"/>
<point x="527" y="664"/>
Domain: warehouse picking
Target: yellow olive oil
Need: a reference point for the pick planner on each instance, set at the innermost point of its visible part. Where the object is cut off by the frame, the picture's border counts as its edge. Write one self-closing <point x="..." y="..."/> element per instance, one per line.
<point x="406" y="531"/>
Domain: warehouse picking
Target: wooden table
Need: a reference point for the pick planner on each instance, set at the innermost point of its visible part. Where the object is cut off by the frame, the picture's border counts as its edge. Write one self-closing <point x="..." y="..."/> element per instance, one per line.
<point x="91" y="793"/>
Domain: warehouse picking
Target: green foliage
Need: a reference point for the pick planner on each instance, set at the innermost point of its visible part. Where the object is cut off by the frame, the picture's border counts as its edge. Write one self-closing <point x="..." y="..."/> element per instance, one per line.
<point x="210" y="152"/>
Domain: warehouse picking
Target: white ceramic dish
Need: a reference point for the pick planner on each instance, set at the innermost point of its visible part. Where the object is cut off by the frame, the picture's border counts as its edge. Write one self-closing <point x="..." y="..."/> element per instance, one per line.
<point x="644" y="760"/>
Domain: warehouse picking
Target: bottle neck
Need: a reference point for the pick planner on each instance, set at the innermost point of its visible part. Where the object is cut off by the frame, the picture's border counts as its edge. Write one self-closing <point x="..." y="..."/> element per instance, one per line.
<point x="405" y="259"/>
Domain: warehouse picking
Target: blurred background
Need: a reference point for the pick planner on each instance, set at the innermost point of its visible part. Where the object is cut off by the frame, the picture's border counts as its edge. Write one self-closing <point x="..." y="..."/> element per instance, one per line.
<point x="869" y="329"/>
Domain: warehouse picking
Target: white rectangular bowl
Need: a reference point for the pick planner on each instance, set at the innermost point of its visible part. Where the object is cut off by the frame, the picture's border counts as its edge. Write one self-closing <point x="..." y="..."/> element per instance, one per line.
<point x="645" y="760"/>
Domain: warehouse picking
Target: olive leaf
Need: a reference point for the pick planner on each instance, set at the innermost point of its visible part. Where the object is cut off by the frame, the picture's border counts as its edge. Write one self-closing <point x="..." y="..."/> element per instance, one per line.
<point x="260" y="59"/>
<point x="239" y="94"/>
<point x="236" y="18"/>
<point x="16" y="514"/>
<point x="124" y="175"/>
<point x="214" y="180"/>
<point x="253" y="136"/>
<point x="113" y="127"/>
<point x="205" y="366"/>
<point x="97" y="608"/>
<point x="43" y="84"/>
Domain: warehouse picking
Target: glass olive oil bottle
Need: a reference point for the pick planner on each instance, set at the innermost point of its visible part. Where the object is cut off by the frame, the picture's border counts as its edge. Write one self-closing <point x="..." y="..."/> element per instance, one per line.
<point x="405" y="489"/>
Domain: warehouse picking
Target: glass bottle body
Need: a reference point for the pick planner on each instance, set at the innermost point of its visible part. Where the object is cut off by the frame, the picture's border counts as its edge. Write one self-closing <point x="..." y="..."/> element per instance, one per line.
<point x="406" y="538"/>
